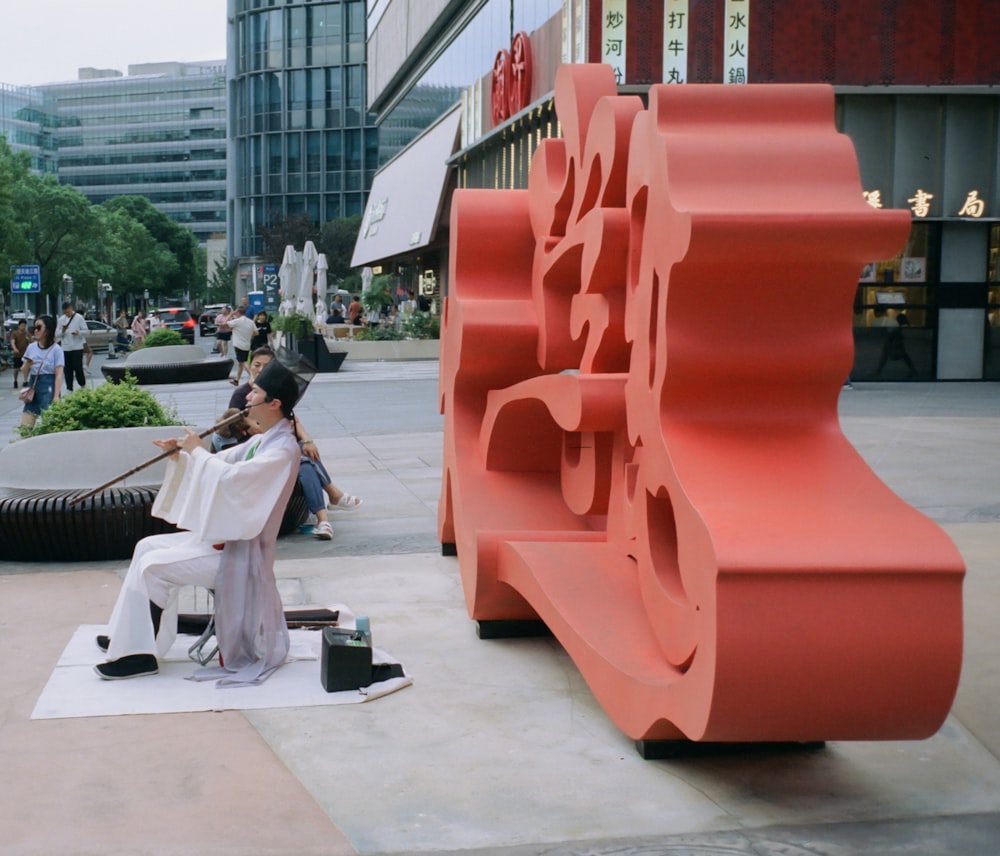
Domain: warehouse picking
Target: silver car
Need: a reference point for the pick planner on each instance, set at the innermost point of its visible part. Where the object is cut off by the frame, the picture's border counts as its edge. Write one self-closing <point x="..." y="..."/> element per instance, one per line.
<point x="100" y="335"/>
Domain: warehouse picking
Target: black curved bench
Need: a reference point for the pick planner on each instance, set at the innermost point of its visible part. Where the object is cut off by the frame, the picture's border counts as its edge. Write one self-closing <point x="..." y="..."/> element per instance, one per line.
<point x="169" y="364"/>
<point x="38" y="524"/>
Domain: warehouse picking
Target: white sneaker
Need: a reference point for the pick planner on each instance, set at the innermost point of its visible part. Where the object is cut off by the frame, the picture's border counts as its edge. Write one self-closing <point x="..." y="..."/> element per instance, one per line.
<point x="323" y="531"/>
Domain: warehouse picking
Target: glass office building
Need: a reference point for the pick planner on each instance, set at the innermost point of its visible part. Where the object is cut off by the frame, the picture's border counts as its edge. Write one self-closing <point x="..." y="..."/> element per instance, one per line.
<point x="158" y="132"/>
<point x="301" y="140"/>
<point x="27" y="121"/>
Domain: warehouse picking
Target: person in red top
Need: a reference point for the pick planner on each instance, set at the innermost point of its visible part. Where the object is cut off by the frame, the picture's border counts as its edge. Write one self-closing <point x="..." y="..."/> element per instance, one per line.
<point x="355" y="310"/>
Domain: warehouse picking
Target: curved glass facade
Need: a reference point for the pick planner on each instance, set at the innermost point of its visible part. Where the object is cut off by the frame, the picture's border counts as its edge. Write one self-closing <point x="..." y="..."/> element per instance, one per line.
<point x="301" y="139"/>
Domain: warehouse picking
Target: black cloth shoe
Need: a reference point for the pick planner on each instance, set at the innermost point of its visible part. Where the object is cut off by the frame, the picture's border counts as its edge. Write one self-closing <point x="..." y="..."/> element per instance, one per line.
<point x="130" y="666"/>
<point x="103" y="642"/>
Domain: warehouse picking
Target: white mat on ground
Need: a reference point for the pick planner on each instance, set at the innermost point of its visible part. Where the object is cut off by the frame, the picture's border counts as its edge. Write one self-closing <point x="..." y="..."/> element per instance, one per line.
<point x="74" y="690"/>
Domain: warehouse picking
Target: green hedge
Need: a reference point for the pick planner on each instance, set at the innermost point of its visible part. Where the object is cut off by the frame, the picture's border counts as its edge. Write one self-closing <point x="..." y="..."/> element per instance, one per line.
<point x="110" y="405"/>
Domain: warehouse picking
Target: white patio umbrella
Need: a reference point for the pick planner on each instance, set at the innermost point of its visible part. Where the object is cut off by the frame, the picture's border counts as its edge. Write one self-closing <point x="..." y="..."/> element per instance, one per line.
<point x="304" y="300"/>
<point x="321" y="268"/>
<point x="288" y="280"/>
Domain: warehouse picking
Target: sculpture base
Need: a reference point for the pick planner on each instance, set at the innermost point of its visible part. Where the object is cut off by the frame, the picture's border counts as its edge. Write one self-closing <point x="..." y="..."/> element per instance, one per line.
<point x="668" y="750"/>
<point x="512" y="629"/>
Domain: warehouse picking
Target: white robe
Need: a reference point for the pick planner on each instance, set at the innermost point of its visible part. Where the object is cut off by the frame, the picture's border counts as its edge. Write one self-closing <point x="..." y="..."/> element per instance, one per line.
<point x="216" y="498"/>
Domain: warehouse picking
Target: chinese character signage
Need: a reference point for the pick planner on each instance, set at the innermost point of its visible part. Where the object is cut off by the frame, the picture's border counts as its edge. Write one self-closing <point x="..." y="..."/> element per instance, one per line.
<point x="920" y="203"/>
<point x="973" y="207"/>
<point x="873" y="197"/>
<point x="613" y="37"/>
<point x="736" y="41"/>
<point x="25" y="279"/>
<point x="675" y="41"/>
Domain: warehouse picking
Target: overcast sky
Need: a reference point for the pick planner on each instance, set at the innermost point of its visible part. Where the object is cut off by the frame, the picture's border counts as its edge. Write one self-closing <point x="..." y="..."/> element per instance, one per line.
<point x="44" y="41"/>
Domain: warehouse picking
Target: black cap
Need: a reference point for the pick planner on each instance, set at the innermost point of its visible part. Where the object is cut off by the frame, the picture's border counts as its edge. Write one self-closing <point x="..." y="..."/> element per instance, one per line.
<point x="278" y="382"/>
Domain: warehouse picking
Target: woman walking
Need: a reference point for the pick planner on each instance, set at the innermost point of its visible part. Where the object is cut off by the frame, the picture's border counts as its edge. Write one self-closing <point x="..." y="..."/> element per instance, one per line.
<point x="138" y="329"/>
<point x="45" y="362"/>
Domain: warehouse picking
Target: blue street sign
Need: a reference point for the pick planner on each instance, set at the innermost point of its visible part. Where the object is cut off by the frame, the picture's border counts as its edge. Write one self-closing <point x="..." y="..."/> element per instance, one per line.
<point x="25" y="279"/>
<point x="267" y="281"/>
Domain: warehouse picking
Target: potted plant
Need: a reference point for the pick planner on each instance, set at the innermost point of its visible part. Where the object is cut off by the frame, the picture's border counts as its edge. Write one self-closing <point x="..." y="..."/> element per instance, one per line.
<point x="301" y="332"/>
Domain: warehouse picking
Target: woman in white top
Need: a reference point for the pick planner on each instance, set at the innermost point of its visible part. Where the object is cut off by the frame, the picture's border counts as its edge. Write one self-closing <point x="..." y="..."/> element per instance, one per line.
<point x="44" y="361"/>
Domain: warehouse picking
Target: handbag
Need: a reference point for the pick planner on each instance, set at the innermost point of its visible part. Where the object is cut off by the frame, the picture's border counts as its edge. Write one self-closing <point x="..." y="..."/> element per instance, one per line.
<point x="28" y="393"/>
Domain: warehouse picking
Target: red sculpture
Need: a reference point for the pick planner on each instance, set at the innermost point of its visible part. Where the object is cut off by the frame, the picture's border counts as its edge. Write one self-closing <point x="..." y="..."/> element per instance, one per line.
<point x="642" y="447"/>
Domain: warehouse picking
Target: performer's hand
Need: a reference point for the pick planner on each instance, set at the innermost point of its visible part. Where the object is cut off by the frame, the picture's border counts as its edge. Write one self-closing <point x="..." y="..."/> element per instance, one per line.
<point x="310" y="451"/>
<point x="170" y="445"/>
<point x="191" y="441"/>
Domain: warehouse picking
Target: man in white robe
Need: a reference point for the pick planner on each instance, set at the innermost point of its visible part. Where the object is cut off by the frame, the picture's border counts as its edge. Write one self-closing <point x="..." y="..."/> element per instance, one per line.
<point x="235" y="498"/>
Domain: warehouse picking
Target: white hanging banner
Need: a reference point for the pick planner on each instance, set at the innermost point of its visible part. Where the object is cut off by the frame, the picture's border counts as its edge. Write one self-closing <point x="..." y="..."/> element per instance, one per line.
<point x="736" y="41"/>
<point x="675" y="41"/>
<point x="613" y="37"/>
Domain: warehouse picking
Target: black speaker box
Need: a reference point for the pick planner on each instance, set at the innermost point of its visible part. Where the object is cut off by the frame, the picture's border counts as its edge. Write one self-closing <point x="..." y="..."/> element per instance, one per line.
<point x="347" y="660"/>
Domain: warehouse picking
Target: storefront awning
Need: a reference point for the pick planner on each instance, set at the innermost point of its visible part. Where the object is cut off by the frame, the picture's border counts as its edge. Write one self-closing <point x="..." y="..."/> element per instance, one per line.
<point x="405" y="201"/>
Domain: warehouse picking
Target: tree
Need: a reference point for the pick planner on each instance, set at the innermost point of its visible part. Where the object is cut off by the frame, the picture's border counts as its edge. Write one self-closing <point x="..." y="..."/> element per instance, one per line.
<point x="14" y="168"/>
<point x="337" y="240"/>
<point x="178" y="240"/>
<point x="130" y="257"/>
<point x="55" y="220"/>
<point x="220" y="285"/>
<point x="293" y="231"/>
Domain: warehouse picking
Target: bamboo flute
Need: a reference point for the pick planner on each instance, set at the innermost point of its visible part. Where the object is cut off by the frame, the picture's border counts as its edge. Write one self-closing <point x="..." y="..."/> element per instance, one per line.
<point x="222" y="423"/>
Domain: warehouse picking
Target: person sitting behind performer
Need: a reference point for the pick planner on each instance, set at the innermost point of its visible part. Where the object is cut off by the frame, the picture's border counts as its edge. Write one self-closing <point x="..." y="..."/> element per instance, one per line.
<point x="313" y="477"/>
<point x="235" y="499"/>
<point x="236" y="432"/>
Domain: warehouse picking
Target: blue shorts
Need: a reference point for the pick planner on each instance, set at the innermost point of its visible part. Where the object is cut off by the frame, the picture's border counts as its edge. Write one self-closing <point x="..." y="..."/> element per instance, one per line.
<point x="45" y="390"/>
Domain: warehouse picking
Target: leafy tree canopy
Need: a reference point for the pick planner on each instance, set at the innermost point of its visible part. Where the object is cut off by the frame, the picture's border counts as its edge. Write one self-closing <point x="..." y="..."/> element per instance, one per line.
<point x="125" y="241"/>
<point x="336" y="239"/>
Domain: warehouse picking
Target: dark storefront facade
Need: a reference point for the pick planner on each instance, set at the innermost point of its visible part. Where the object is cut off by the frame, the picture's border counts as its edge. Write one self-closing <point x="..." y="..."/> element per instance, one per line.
<point x="916" y="90"/>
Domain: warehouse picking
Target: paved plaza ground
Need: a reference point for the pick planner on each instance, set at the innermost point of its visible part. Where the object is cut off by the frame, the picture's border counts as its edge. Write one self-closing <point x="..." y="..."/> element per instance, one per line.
<point x="498" y="746"/>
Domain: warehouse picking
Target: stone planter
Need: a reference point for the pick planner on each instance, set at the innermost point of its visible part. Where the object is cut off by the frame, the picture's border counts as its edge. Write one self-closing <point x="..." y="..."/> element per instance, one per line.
<point x="169" y="364"/>
<point x="402" y="349"/>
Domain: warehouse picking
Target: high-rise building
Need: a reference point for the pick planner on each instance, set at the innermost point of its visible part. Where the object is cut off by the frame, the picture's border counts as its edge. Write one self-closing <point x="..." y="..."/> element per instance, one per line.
<point x="158" y="132"/>
<point x="300" y="139"/>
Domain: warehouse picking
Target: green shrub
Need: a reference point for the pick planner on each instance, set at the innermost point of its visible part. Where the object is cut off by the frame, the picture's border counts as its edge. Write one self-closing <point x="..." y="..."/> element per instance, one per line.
<point x="110" y="405"/>
<point x="377" y="334"/>
<point x="162" y="337"/>
<point x="422" y="325"/>
<point x="379" y="294"/>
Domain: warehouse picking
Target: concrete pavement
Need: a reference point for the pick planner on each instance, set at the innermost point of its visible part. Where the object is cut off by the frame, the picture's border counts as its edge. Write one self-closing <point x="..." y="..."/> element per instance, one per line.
<point x="498" y="746"/>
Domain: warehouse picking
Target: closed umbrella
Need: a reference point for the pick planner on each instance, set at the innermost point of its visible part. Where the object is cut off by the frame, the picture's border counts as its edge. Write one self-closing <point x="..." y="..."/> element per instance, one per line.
<point x="321" y="268"/>
<point x="288" y="280"/>
<point x="304" y="301"/>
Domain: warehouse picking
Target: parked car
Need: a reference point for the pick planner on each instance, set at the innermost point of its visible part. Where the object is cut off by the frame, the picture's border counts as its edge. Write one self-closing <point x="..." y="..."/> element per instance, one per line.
<point x="10" y="325"/>
<point x="177" y="319"/>
<point x="100" y="335"/>
<point x="206" y="322"/>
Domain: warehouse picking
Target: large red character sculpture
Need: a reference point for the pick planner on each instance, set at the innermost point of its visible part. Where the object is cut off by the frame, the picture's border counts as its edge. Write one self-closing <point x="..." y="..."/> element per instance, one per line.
<point x="641" y="359"/>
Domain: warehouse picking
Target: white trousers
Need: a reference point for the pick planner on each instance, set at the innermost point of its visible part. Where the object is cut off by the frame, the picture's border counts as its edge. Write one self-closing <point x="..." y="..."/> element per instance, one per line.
<point x="161" y="564"/>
